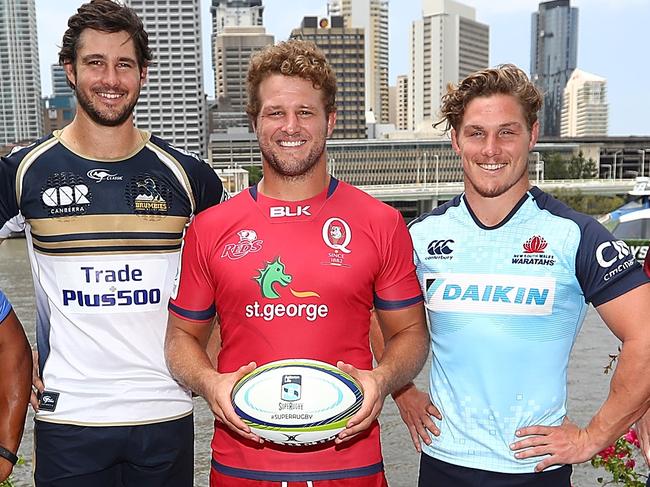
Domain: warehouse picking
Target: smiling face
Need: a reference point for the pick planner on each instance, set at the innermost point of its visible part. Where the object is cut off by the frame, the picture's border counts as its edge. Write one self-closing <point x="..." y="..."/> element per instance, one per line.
<point x="106" y="76"/>
<point x="292" y="126"/>
<point x="493" y="142"/>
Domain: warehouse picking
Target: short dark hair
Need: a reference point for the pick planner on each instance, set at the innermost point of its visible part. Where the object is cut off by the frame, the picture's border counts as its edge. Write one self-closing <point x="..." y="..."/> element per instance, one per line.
<point x="105" y="16"/>
<point x="505" y="79"/>
<point x="291" y="58"/>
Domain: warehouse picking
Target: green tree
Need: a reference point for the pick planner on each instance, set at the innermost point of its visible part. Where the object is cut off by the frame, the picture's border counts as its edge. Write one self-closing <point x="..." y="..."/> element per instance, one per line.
<point x="254" y="174"/>
<point x="589" y="204"/>
<point x="555" y="166"/>
<point x="581" y="168"/>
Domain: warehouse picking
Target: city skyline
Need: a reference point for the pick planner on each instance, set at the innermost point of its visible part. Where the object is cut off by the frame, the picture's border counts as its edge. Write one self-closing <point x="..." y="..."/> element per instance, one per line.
<point x="610" y="39"/>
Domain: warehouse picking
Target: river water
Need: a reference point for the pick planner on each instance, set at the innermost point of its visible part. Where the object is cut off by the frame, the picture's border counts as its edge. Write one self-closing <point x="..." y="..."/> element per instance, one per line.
<point x="588" y="387"/>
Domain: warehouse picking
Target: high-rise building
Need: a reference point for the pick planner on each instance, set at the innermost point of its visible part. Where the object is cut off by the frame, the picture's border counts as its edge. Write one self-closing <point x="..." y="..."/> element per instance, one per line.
<point x="402" y="102"/>
<point x="344" y="49"/>
<point x="58" y="109"/>
<point x="584" y="105"/>
<point x="372" y="17"/>
<point x="553" y="57"/>
<point x="237" y="33"/>
<point x="60" y="86"/>
<point x="235" y="13"/>
<point x="231" y="15"/>
<point x="446" y="45"/>
<point x="21" y="118"/>
<point x="172" y="103"/>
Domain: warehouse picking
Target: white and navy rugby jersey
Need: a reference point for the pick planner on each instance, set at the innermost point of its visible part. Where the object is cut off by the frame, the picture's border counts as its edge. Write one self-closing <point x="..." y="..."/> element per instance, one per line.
<point x="505" y="304"/>
<point x="104" y="241"/>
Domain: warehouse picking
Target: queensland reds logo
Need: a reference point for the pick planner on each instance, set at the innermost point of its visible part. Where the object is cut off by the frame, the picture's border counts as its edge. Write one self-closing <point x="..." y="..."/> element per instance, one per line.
<point x="337" y="234"/>
<point x="248" y="243"/>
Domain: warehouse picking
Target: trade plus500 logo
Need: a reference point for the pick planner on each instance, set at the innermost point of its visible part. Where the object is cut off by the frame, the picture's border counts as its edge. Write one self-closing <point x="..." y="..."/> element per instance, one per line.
<point x="271" y="279"/>
<point x="120" y="288"/>
<point x="490" y="293"/>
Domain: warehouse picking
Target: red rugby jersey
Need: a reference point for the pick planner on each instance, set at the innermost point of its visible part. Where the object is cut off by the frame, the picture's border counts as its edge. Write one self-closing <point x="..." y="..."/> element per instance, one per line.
<point x="296" y="280"/>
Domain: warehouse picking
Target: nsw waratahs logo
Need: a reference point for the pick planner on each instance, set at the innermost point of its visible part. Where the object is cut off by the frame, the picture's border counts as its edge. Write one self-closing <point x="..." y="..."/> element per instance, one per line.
<point x="535" y="245"/>
<point x="272" y="279"/>
<point x="534" y="252"/>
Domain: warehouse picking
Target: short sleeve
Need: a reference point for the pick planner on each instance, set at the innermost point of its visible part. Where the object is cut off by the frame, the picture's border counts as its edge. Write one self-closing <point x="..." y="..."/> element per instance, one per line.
<point x="605" y="267"/>
<point x="193" y="299"/>
<point x="397" y="285"/>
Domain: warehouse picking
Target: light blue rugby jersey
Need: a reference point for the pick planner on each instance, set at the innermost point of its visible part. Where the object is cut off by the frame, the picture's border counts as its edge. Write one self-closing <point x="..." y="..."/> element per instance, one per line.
<point x="505" y="304"/>
<point x="5" y="307"/>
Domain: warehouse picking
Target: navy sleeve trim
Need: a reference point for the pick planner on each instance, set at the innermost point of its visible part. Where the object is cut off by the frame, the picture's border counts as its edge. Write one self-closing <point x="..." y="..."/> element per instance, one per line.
<point x="349" y="473"/>
<point x="393" y="305"/>
<point x="204" y="315"/>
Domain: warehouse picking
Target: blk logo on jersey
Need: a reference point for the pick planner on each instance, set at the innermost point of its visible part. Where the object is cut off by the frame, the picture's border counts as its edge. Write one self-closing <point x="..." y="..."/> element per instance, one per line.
<point x="287" y="211"/>
<point x="534" y="253"/>
<point x="272" y="279"/>
<point x="440" y="249"/>
<point x="248" y="244"/>
<point x="500" y="294"/>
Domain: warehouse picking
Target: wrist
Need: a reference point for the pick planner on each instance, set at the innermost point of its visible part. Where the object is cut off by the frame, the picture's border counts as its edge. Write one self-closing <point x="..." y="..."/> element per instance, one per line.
<point x="8" y="455"/>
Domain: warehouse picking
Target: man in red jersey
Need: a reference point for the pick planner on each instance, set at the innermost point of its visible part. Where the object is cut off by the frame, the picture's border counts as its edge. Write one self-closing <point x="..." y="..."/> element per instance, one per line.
<point x="292" y="268"/>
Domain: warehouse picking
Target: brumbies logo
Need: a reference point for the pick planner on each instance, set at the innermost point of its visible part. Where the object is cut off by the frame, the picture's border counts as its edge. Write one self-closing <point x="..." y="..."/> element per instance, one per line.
<point x="147" y="195"/>
<point x="248" y="243"/>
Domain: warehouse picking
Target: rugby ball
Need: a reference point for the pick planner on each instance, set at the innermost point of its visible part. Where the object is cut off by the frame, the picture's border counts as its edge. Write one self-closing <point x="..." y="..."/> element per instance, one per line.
<point x="297" y="402"/>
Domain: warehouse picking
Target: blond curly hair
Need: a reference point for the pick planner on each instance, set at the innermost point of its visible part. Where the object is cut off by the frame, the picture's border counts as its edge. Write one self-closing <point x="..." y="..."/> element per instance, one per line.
<point x="290" y="58"/>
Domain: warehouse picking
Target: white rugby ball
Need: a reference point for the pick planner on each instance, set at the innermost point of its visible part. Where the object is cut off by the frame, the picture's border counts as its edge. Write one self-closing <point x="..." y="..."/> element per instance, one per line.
<point x="297" y="402"/>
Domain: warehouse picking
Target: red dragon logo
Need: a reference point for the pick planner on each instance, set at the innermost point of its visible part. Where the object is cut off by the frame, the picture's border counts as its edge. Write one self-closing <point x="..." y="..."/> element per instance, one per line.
<point x="535" y="245"/>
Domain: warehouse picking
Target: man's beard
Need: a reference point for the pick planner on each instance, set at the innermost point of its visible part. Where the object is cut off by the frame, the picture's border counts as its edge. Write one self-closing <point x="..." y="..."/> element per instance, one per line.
<point x="110" y="119"/>
<point x="296" y="169"/>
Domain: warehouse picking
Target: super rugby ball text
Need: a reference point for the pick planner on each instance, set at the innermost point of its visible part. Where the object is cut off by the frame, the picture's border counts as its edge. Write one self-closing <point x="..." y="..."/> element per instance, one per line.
<point x="297" y="402"/>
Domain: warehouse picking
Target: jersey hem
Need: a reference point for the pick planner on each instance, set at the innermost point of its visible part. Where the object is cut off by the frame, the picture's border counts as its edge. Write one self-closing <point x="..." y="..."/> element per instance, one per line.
<point x="298" y="476"/>
<point x="461" y="462"/>
<point x="47" y="419"/>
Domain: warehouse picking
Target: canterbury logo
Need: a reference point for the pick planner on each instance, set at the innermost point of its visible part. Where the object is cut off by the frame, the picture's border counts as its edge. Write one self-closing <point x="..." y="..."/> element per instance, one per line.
<point x="440" y="247"/>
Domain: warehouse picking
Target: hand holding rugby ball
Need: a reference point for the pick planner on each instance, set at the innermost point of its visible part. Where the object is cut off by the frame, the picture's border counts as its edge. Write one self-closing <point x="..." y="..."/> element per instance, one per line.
<point x="297" y="402"/>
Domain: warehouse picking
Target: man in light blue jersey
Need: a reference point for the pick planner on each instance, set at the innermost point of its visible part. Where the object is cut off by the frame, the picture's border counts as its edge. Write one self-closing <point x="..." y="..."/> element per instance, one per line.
<point x="508" y="272"/>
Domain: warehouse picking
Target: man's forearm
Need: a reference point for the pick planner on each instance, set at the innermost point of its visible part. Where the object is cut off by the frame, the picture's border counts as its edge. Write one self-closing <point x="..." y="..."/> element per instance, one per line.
<point x="188" y="361"/>
<point x="15" y="387"/>
<point x="629" y="395"/>
<point x="403" y="357"/>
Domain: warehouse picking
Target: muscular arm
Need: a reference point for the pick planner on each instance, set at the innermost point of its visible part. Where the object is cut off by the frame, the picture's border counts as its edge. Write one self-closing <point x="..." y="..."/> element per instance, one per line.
<point x="629" y="392"/>
<point x="16" y="367"/>
<point x="415" y="407"/>
<point x="405" y="346"/>
<point x="189" y="364"/>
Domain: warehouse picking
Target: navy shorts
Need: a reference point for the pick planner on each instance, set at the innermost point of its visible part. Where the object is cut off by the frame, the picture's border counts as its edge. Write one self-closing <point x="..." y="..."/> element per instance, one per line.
<point x="149" y="455"/>
<point x="435" y="473"/>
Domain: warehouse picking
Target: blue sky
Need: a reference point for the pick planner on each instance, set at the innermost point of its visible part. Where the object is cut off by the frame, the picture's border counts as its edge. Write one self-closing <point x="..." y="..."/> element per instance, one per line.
<point x="613" y="42"/>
